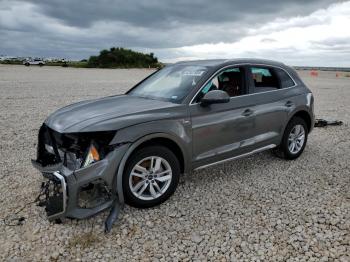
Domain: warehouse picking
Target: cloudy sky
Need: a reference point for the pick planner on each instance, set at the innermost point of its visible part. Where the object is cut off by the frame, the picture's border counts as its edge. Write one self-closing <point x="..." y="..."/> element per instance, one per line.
<point x="298" y="32"/>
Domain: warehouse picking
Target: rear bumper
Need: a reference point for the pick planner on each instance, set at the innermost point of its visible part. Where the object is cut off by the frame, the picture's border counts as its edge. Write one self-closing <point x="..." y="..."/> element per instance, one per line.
<point x="313" y="120"/>
<point x="83" y="192"/>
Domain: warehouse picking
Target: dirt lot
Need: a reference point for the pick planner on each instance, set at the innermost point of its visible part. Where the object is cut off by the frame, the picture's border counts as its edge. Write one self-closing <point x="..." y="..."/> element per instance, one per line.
<point x="259" y="207"/>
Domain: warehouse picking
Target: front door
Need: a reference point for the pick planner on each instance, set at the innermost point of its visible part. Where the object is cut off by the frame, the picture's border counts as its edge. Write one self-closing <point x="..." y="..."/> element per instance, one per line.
<point x="222" y="131"/>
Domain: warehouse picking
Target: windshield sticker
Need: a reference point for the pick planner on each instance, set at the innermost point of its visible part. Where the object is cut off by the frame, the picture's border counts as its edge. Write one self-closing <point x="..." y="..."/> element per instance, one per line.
<point x="193" y="73"/>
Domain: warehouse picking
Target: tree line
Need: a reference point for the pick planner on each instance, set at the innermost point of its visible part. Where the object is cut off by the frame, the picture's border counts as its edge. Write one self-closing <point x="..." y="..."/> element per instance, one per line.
<point x="116" y="57"/>
<point x="122" y="58"/>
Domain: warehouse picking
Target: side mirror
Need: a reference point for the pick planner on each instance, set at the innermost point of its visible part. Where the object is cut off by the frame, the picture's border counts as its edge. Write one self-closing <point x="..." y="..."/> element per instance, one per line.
<point x="215" y="97"/>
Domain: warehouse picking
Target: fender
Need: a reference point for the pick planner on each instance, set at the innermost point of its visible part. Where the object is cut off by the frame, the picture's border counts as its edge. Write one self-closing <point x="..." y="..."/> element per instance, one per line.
<point x="134" y="145"/>
<point x="296" y="111"/>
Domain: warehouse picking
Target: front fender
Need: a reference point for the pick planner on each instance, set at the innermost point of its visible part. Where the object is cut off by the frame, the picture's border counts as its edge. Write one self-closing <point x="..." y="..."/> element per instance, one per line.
<point x="179" y="131"/>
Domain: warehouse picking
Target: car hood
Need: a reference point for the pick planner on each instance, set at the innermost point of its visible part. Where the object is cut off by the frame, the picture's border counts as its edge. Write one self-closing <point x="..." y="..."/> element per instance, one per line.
<point x="110" y="113"/>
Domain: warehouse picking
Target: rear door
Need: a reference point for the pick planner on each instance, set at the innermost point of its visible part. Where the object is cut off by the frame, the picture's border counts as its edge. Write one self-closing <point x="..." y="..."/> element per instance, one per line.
<point x="271" y="96"/>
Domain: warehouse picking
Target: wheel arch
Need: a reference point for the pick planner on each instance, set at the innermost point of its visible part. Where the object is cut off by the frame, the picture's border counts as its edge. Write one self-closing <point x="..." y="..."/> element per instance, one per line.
<point x="166" y="142"/>
<point x="305" y="115"/>
<point x="163" y="139"/>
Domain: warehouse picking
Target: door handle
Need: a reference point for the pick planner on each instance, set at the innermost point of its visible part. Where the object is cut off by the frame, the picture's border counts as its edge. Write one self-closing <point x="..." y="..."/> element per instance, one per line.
<point x="247" y="112"/>
<point x="289" y="104"/>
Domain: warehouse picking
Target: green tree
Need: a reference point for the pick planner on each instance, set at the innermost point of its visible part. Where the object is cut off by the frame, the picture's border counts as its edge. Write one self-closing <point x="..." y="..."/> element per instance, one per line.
<point x="118" y="57"/>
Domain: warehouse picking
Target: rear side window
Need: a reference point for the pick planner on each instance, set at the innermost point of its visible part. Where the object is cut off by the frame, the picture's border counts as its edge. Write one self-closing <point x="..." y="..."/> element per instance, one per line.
<point x="265" y="79"/>
<point x="285" y="79"/>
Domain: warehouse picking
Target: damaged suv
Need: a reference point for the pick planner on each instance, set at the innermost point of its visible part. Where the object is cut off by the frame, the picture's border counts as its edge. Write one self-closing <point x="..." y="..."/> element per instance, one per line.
<point x="95" y="154"/>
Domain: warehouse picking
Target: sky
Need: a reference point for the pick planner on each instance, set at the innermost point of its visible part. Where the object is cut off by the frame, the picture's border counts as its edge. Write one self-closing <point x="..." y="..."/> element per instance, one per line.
<point x="299" y="32"/>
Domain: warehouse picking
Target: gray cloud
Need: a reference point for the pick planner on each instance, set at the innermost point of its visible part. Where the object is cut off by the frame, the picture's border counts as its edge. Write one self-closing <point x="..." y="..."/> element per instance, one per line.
<point x="78" y="28"/>
<point x="167" y="14"/>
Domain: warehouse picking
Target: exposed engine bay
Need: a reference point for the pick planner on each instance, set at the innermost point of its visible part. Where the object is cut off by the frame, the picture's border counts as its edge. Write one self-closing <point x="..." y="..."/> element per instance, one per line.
<point x="72" y="149"/>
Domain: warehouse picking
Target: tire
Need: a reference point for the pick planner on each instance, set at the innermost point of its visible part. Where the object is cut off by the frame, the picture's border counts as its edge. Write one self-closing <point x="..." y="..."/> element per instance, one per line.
<point x="26" y="64"/>
<point x="135" y="179"/>
<point x="285" y="149"/>
<point x="41" y="64"/>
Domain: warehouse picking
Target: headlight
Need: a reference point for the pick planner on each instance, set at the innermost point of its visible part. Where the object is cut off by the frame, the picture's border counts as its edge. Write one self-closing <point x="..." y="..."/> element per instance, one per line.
<point x="92" y="156"/>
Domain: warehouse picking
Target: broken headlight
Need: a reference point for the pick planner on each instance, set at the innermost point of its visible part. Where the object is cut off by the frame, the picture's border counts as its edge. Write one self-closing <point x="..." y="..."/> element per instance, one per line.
<point x="92" y="156"/>
<point x="73" y="150"/>
<point x="49" y="149"/>
<point x="83" y="149"/>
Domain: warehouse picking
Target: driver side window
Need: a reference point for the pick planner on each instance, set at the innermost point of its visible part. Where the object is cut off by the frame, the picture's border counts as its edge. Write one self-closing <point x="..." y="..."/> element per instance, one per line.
<point x="230" y="80"/>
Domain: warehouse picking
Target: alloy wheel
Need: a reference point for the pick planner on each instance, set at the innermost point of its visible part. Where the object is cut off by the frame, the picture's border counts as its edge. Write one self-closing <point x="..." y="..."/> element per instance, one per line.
<point x="150" y="178"/>
<point x="296" y="139"/>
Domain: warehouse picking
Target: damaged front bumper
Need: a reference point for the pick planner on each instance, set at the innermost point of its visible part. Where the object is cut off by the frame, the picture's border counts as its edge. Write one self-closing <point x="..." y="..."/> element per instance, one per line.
<point x="82" y="192"/>
<point x="54" y="195"/>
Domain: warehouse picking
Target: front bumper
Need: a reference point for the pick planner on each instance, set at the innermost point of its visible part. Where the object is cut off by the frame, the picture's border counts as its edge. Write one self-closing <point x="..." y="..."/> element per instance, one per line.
<point x="54" y="191"/>
<point x="83" y="192"/>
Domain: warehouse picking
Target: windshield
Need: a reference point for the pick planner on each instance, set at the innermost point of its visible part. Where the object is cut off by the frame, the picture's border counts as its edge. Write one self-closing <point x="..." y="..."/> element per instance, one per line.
<point x="172" y="83"/>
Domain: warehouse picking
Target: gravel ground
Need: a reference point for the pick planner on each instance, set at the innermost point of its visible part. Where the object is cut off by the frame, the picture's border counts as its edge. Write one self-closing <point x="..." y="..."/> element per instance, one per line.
<point x="257" y="208"/>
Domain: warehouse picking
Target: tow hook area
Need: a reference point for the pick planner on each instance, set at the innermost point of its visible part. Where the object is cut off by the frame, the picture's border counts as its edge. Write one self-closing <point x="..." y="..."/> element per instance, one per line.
<point x="94" y="194"/>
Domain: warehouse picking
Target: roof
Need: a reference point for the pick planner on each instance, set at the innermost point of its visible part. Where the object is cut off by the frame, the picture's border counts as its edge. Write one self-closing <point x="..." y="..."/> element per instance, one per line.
<point x="223" y="62"/>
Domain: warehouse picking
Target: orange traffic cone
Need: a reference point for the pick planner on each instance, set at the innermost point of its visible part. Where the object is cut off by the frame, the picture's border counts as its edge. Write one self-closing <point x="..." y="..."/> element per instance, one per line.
<point x="314" y="73"/>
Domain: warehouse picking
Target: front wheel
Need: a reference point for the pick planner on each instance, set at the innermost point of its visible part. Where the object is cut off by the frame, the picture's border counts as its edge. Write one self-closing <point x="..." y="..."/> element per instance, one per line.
<point x="294" y="139"/>
<point x="151" y="176"/>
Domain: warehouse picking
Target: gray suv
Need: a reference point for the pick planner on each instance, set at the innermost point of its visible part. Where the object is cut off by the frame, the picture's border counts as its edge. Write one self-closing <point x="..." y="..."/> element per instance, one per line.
<point x="184" y="117"/>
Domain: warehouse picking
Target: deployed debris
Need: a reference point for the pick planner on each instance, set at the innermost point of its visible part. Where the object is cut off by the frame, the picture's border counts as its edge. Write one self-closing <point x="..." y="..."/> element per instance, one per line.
<point x="113" y="216"/>
<point x="322" y="122"/>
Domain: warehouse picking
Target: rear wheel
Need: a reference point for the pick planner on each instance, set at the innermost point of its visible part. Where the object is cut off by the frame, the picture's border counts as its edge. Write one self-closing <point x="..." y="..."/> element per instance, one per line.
<point x="151" y="176"/>
<point x="294" y="139"/>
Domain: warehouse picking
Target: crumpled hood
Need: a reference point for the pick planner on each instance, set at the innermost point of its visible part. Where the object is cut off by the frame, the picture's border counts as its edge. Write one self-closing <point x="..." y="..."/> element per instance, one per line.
<point x="109" y="113"/>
